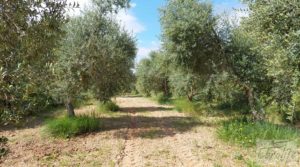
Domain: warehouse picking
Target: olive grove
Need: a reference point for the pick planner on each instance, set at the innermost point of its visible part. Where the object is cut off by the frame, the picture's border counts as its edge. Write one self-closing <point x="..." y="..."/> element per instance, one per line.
<point x="49" y="58"/>
<point x="253" y="61"/>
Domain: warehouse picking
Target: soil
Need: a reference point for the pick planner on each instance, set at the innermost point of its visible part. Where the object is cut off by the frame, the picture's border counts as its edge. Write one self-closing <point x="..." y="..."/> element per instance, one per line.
<point x="143" y="133"/>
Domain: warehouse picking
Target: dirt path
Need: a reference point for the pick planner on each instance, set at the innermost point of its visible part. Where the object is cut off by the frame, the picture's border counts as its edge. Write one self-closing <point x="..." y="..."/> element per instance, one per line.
<point x="142" y="134"/>
<point x="159" y="136"/>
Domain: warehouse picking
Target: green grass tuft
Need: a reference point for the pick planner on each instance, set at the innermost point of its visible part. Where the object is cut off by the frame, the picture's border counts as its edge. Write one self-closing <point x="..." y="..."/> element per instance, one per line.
<point x="108" y="106"/>
<point x="193" y="108"/>
<point x="244" y="132"/>
<point x="162" y="99"/>
<point x="251" y="163"/>
<point x="69" y="127"/>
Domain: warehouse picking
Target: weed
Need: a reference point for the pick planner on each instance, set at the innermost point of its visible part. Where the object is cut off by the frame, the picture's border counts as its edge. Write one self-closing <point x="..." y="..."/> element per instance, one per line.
<point x="161" y="98"/>
<point x="108" y="106"/>
<point x="251" y="163"/>
<point x="245" y="132"/>
<point x="67" y="127"/>
<point x="193" y="108"/>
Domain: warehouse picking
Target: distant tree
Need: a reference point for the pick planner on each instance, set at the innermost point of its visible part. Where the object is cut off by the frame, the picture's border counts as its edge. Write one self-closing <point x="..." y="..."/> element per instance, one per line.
<point x="153" y="74"/>
<point x="192" y="44"/>
<point x="143" y="83"/>
<point x="185" y="84"/>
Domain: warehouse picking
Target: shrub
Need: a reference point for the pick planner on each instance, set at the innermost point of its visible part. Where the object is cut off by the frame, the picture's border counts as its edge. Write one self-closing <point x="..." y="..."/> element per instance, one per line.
<point x="107" y="107"/>
<point x="245" y="132"/>
<point x="183" y="105"/>
<point x="67" y="127"/>
<point x="161" y="98"/>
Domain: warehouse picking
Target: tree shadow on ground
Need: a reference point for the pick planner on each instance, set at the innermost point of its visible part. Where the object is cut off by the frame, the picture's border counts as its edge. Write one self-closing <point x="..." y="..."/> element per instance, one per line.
<point x="131" y="96"/>
<point x="145" y="109"/>
<point x="34" y="120"/>
<point x="139" y="126"/>
<point x="148" y="127"/>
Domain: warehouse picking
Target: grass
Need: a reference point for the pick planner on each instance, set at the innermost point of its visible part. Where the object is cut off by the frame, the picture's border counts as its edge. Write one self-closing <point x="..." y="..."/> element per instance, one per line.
<point x="67" y="127"/>
<point x="108" y="106"/>
<point x="162" y="99"/>
<point x="251" y="163"/>
<point x="183" y="105"/>
<point x="245" y="133"/>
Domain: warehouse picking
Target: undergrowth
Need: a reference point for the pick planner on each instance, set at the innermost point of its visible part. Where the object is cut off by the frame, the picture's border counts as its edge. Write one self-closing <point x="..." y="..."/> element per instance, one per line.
<point x="108" y="106"/>
<point x="245" y="132"/>
<point x="161" y="98"/>
<point x="67" y="127"/>
<point x="193" y="108"/>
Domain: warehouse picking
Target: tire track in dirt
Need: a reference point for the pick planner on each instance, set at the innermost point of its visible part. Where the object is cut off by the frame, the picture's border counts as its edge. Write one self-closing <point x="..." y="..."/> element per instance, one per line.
<point x="127" y="153"/>
<point x="183" y="151"/>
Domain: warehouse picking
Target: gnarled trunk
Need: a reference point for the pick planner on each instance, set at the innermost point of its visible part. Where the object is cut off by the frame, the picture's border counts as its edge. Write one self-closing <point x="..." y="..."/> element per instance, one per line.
<point x="190" y="94"/>
<point x="166" y="88"/>
<point x="257" y="114"/>
<point x="190" y="97"/>
<point x="70" y="107"/>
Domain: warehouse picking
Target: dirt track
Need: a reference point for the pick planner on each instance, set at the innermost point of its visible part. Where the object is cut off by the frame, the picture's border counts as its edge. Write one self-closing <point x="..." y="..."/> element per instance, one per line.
<point x="163" y="137"/>
<point x="142" y="134"/>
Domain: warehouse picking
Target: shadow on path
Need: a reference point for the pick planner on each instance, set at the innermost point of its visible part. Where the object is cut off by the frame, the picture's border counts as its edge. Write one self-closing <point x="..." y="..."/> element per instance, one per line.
<point x="149" y="127"/>
<point x="144" y="109"/>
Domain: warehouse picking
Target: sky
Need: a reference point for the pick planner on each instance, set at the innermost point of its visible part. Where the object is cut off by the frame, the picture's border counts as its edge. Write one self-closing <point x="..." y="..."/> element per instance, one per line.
<point x="142" y="20"/>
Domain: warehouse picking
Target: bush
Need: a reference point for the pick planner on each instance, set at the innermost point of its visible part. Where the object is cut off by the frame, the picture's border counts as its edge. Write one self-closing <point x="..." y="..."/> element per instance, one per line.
<point x="67" y="127"/>
<point x="245" y="132"/>
<point x="107" y="107"/>
<point x="161" y="98"/>
<point x="183" y="105"/>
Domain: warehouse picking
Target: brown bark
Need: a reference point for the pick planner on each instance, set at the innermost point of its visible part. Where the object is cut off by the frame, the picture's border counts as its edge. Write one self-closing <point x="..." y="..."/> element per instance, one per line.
<point x="258" y="115"/>
<point x="249" y="94"/>
<point x="166" y="88"/>
<point x="190" y="97"/>
<point x="70" y="108"/>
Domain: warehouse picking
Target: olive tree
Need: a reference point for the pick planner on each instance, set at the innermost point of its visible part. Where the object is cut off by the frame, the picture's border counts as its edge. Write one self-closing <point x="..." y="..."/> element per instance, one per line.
<point x="189" y="35"/>
<point x="96" y="55"/>
<point x="249" y="72"/>
<point x="153" y="74"/>
<point x="29" y="34"/>
<point x="271" y="36"/>
<point x="192" y="43"/>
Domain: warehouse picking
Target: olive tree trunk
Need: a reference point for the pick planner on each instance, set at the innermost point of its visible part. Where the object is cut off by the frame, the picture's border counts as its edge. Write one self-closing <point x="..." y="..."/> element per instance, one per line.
<point x="70" y="107"/>
<point x="257" y="112"/>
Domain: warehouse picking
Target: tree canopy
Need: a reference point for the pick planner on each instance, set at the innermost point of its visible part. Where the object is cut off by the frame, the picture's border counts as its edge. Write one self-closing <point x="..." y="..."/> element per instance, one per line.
<point x="29" y="33"/>
<point x="48" y="57"/>
<point x="257" y="57"/>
